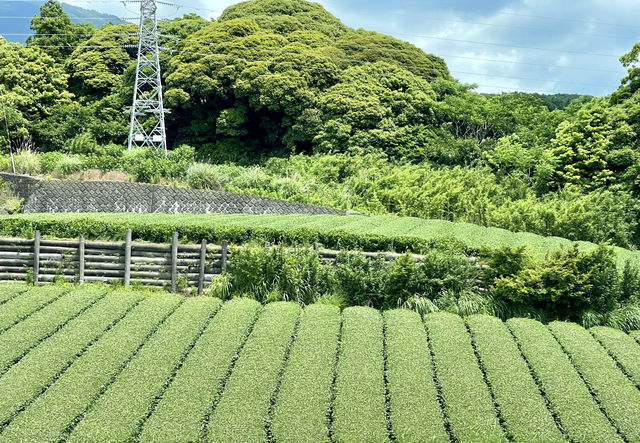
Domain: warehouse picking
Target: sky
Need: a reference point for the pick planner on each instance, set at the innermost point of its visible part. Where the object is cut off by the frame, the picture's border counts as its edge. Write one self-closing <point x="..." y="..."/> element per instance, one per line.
<point x="545" y="46"/>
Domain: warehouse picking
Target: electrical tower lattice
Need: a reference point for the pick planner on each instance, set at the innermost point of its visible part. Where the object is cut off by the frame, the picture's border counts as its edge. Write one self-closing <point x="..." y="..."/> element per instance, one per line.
<point x="147" y="113"/>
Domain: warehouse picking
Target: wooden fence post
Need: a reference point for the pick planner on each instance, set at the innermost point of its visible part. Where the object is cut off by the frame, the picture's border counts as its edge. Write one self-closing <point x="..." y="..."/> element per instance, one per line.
<point x="127" y="258"/>
<point x="36" y="256"/>
<point x="174" y="262"/>
<point x="203" y="260"/>
<point x="81" y="260"/>
<point x="224" y="253"/>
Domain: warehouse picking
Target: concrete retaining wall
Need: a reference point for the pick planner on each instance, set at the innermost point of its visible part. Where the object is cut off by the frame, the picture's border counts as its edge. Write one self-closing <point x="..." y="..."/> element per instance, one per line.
<point x="105" y="196"/>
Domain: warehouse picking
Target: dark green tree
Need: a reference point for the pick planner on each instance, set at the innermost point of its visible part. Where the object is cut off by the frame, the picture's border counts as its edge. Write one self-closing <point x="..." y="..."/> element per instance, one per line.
<point x="54" y="32"/>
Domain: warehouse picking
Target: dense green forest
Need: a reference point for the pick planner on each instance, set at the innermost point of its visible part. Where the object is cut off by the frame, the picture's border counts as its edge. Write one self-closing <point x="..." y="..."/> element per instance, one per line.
<point x="279" y="98"/>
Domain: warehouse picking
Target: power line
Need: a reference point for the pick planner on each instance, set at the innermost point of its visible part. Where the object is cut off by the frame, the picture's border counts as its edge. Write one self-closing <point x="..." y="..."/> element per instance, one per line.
<point x="475" y="42"/>
<point x="499" y="25"/>
<point x="386" y="11"/>
<point x="504" y="88"/>
<point x="336" y="59"/>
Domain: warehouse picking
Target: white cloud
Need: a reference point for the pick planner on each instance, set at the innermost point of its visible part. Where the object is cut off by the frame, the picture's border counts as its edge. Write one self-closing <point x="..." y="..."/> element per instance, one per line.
<point x="515" y="27"/>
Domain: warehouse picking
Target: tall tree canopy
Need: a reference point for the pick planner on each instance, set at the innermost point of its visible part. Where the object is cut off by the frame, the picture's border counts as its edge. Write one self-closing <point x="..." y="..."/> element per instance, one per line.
<point x="54" y="32"/>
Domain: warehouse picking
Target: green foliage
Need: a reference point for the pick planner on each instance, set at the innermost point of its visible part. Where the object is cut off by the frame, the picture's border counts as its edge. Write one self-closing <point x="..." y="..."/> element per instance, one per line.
<point x="470" y="410"/>
<point x="84" y="144"/>
<point x="67" y="165"/>
<point x="240" y="415"/>
<point x="359" y="409"/>
<point x="33" y="85"/>
<point x="415" y="413"/>
<point x="54" y="354"/>
<point x="600" y="372"/>
<point x="13" y="205"/>
<point x="49" y="416"/>
<point x="564" y="285"/>
<point x="55" y="33"/>
<point x="297" y="276"/>
<point x="157" y="359"/>
<point x="580" y="149"/>
<point x="65" y="306"/>
<point x="206" y="176"/>
<point x="567" y="394"/>
<point x="622" y="347"/>
<point x="523" y="410"/>
<point x="27" y="162"/>
<point x="21" y="307"/>
<point x="304" y="398"/>
<point x="199" y="380"/>
<point x="162" y="367"/>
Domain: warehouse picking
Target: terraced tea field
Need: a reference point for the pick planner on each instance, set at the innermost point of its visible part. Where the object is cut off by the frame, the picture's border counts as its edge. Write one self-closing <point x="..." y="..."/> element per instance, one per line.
<point x="81" y="364"/>
<point x="378" y="233"/>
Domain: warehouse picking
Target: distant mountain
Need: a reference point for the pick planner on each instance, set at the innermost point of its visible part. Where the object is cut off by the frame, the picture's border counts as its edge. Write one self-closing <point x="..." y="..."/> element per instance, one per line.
<point x="15" y="29"/>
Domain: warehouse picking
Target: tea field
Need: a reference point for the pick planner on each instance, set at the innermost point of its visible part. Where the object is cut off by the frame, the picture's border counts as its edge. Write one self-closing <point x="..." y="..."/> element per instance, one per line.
<point x="376" y="233"/>
<point x="83" y="364"/>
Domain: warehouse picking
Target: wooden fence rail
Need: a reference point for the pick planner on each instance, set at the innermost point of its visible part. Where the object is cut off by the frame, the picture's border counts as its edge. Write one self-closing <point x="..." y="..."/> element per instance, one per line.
<point x="163" y="265"/>
<point x="171" y="266"/>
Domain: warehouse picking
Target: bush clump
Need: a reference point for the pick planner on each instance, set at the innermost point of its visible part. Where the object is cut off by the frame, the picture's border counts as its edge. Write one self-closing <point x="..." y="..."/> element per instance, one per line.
<point x="584" y="287"/>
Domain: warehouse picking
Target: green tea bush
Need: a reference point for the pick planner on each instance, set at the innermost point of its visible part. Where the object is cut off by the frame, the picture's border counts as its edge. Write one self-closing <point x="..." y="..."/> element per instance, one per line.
<point x="48" y="161"/>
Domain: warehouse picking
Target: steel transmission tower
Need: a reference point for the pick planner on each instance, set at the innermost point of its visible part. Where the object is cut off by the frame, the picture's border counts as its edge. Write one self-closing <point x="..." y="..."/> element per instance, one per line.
<point x="147" y="113"/>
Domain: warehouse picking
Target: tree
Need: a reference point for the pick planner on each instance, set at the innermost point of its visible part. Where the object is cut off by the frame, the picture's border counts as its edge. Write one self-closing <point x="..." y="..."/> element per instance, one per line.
<point x="54" y="32"/>
<point x="33" y="85"/>
<point x="370" y="47"/>
<point x="580" y="149"/>
<point x="98" y="67"/>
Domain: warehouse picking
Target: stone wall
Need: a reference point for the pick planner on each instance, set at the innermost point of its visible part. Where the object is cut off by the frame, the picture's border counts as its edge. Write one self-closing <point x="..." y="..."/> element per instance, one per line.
<point x="21" y="185"/>
<point x="105" y="196"/>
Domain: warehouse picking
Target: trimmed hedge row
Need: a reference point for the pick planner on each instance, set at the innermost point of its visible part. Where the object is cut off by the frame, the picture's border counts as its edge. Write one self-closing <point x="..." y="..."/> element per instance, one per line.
<point x="568" y="396"/>
<point x="197" y="386"/>
<point x="18" y="340"/>
<point x="26" y="303"/>
<point x="57" y="410"/>
<point x="468" y="403"/>
<point x="416" y="414"/>
<point x="359" y="412"/>
<point x="244" y="406"/>
<point x="304" y="400"/>
<point x="11" y="290"/>
<point x="624" y="349"/>
<point x="51" y="357"/>
<point x="619" y="398"/>
<point x="521" y="405"/>
<point x="94" y="228"/>
<point x="120" y="412"/>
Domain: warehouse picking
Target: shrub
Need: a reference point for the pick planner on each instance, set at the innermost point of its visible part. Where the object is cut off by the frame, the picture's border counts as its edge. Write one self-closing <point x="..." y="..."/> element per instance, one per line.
<point x="207" y="176"/>
<point x="48" y="161"/>
<point x="565" y="284"/>
<point x="14" y="205"/>
<point x="273" y="273"/>
<point x="67" y="165"/>
<point x="84" y="144"/>
<point x="27" y="162"/>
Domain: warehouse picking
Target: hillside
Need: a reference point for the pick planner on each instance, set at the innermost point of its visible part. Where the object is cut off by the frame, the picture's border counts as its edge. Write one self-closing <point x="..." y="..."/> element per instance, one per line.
<point x="81" y="364"/>
<point x="25" y="10"/>
<point x="376" y="233"/>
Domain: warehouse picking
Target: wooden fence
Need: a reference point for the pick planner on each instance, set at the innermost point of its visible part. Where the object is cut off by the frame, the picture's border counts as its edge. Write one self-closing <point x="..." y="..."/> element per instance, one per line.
<point x="164" y="265"/>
